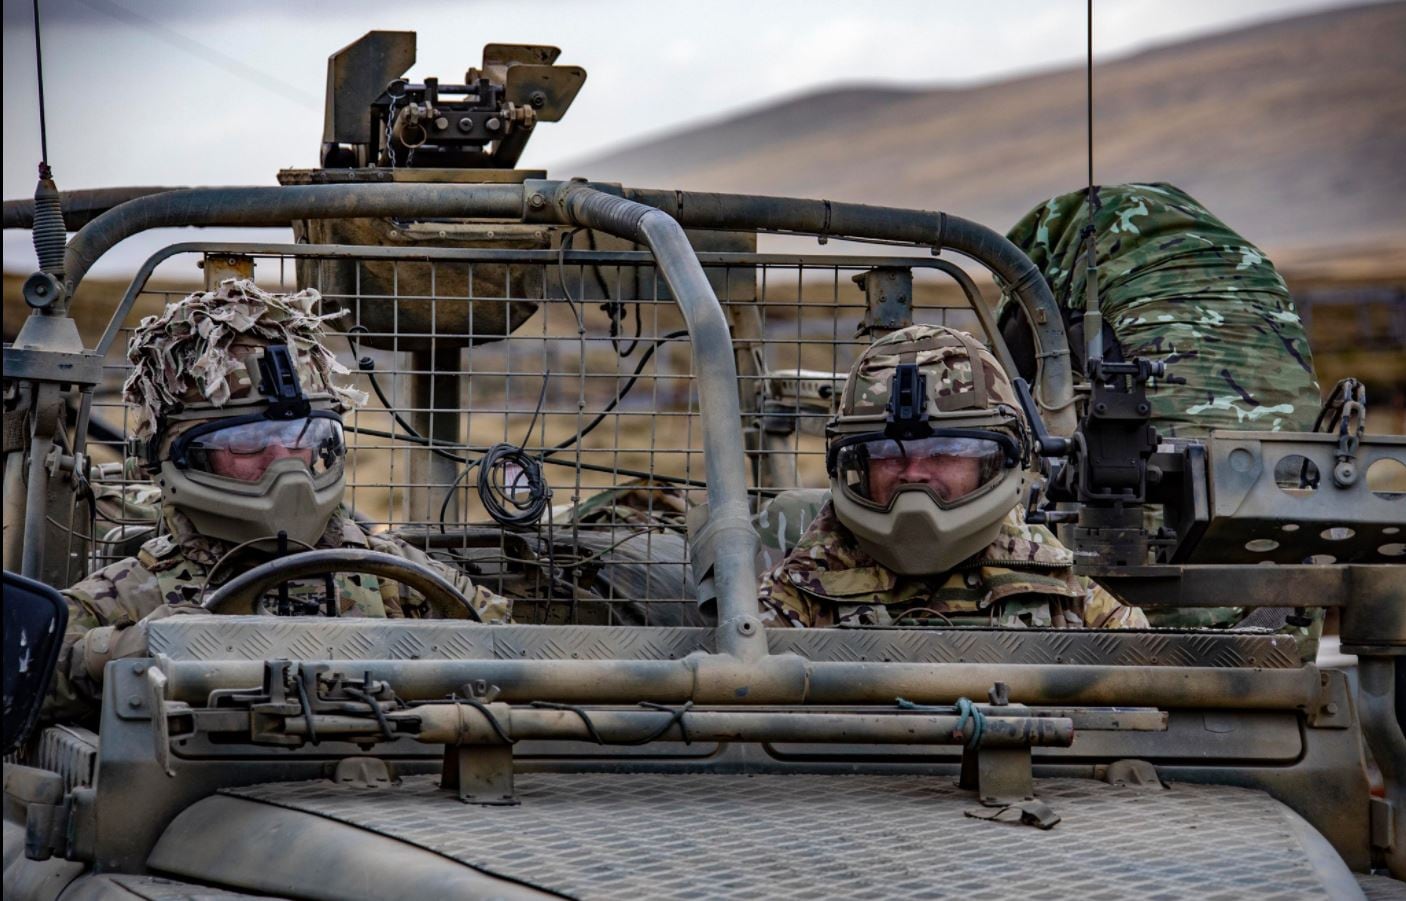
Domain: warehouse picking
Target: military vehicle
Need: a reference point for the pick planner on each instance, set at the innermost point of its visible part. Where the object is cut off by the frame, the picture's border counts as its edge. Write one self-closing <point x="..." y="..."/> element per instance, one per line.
<point x="596" y="398"/>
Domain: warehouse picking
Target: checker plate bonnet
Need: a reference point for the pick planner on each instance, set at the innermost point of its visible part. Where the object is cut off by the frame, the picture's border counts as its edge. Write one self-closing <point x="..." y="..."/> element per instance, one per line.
<point x="806" y="836"/>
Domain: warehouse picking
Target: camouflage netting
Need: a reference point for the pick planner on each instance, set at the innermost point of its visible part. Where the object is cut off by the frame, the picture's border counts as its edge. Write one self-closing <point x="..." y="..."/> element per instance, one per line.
<point x="1176" y="284"/>
<point x="198" y="351"/>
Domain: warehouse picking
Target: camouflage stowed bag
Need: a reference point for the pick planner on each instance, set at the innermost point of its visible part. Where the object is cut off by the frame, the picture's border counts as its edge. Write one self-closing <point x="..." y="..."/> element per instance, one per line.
<point x="1177" y="285"/>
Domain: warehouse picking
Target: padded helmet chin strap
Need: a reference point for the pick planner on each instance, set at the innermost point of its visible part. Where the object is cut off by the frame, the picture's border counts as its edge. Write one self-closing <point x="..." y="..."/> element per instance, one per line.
<point x="907" y="413"/>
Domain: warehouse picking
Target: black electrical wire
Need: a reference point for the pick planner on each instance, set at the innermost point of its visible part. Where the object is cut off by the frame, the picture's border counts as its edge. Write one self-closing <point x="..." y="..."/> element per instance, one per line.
<point x="306" y="706"/>
<point x="619" y="395"/>
<point x="493" y="723"/>
<point x="368" y="366"/>
<point x="585" y="718"/>
<point x="589" y="467"/>
<point x="498" y="497"/>
<point x="386" y="732"/>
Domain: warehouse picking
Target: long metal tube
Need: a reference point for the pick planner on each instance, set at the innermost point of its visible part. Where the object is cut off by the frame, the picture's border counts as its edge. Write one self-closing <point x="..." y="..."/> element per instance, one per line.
<point x="921" y="227"/>
<point x="79" y="207"/>
<point x="269" y="207"/>
<point x="461" y="724"/>
<point x="728" y="536"/>
<point x="789" y="679"/>
<point x="36" y="506"/>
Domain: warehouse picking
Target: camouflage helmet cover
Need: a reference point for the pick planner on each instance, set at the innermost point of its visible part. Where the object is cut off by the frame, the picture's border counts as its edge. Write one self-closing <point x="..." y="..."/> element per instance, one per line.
<point x="965" y="387"/>
<point x="961" y="374"/>
<point x="199" y="360"/>
<point x="201" y="352"/>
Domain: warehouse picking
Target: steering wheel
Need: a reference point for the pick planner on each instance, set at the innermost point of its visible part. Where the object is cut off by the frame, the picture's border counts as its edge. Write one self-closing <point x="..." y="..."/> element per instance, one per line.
<point x="240" y="595"/>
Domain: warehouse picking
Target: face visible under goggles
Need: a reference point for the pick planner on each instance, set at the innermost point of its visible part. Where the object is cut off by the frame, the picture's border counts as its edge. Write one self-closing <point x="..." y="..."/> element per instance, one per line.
<point x="950" y="464"/>
<point x="245" y="447"/>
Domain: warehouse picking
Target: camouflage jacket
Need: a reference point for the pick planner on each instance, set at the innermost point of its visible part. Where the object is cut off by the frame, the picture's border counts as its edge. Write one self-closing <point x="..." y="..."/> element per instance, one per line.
<point x="1024" y="578"/>
<point x="170" y="572"/>
<point x="1178" y="285"/>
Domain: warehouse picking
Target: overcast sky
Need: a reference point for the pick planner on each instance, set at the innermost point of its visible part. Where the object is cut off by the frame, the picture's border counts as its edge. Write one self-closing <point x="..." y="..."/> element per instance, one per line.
<point x="202" y="92"/>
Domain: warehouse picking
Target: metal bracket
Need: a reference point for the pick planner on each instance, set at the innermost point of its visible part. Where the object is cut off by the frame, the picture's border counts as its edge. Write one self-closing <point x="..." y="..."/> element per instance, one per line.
<point x="364" y="772"/>
<point x="219" y="267"/>
<point x="480" y="774"/>
<point x="1334" y="708"/>
<point x="59" y="367"/>
<point x="888" y="299"/>
<point x="1000" y="776"/>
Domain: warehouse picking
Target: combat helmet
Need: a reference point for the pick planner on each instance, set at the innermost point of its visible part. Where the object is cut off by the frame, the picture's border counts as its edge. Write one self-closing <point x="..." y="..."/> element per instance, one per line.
<point x="237" y="416"/>
<point x="928" y="451"/>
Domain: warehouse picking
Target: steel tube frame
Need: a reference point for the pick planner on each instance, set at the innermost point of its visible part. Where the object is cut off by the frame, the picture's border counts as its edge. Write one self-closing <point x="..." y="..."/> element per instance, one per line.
<point x="825" y="218"/>
<point x="728" y="536"/>
<point x="277" y="207"/>
<point x="652" y="218"/>
<point x="788" y="679"/>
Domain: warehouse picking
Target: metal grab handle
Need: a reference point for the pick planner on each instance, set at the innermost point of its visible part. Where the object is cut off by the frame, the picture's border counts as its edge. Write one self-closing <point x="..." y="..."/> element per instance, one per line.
<point x="239" y="594"/>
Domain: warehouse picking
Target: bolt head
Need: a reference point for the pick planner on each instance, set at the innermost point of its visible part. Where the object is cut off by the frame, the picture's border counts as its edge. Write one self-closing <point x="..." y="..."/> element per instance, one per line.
<point x="466" y="124"/>
<point x="493" y="125"/>
<point x="441" y="123"/>
<point x="538" y="100"/>
<point x="134" y="701"/>
<point x="42" y="290"/>
<point x="537" y="201"/>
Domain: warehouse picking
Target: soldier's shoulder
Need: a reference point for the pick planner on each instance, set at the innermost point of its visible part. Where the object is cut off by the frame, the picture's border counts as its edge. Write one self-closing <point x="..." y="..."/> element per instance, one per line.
<point x="1019" y="542"/>
<point x="111" y="580"/>
<point x="158" y="553"/>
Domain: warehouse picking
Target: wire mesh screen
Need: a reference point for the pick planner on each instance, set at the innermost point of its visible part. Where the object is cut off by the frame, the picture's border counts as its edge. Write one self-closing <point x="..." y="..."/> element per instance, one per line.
<point x="533" y="416"/>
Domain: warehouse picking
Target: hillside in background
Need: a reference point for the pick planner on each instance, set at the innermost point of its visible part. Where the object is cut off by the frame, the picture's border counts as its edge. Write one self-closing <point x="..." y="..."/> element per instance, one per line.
<point x="1292" y="131"/>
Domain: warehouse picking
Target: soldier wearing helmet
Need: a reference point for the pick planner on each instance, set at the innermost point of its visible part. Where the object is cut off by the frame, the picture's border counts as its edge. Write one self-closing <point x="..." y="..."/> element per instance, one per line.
<point x="237" y="420"/>
<point x="928" y="459"/>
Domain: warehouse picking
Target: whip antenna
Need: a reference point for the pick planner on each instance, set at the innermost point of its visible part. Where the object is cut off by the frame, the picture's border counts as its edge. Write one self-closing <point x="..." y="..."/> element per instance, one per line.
<point x="44" y="290"/>
<point x="1093" y="317"/>
<point x="39" y="70"/>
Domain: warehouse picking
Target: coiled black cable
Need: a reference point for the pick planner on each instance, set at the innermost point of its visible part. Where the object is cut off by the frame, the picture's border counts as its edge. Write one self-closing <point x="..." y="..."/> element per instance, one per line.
<point x="505" y="473"/>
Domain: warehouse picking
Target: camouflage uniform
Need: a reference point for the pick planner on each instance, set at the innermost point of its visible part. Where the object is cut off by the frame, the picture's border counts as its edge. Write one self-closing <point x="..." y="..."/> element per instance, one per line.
<point x="1177" y="285"/>
<point x="1025" y="578"/>
<point x="169" y="573"/>
<point x="200" y="352"/>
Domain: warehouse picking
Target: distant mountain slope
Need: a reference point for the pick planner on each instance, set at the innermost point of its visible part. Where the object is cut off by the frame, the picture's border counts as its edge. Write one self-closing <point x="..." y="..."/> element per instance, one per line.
<point x="1293" y="131"/>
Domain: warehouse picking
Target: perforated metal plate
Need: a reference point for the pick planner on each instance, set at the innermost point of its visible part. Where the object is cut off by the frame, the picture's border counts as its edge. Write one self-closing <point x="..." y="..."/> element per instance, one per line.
<point x="622" y="836"/>
<point x="263" y="638"/>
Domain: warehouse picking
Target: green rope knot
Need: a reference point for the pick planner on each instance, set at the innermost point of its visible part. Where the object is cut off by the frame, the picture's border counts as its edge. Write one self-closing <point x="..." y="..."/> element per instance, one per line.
<point x="966" y="711"/>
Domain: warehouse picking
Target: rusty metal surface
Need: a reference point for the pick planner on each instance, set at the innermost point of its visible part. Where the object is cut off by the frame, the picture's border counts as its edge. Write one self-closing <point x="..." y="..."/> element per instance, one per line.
<point x="842" y="836"/>
<point x="199" y="638"/>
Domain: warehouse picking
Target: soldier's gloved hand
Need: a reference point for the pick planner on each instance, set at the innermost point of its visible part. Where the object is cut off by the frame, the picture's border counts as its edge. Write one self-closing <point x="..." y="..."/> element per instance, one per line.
<point x="100" y="645"/>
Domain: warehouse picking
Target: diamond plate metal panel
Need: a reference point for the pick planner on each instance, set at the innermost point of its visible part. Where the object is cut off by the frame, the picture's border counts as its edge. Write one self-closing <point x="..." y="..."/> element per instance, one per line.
<point x="805" y="836"/>
<point x="1151" y="648"/>
<point x="313" y="638"/>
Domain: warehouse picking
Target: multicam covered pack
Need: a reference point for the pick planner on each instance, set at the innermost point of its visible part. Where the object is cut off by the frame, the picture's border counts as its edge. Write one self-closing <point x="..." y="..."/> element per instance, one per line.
<point x="198" y="351"/>
<point x="1178" y="285"/>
